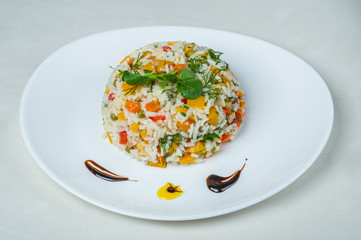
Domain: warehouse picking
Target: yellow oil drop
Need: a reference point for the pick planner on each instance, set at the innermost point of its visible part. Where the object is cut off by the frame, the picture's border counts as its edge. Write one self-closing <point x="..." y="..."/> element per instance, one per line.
<point x="169" y="192"/>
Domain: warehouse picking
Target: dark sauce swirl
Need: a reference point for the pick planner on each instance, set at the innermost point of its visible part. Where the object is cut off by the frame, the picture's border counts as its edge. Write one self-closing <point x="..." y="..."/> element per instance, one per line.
<point x="103" y="173"/>
<point x="219" y="184"/>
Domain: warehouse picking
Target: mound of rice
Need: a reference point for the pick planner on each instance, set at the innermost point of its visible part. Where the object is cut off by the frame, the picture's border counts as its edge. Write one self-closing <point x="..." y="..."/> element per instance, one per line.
<point x="172" y="102"/>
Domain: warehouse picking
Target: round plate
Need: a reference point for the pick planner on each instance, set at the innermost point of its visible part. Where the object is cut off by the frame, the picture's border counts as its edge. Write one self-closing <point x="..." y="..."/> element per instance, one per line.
<point x="289" y="116"/>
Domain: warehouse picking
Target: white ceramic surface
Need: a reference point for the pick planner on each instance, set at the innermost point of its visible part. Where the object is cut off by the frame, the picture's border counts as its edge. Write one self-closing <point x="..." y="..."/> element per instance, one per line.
<point x="289" y="116"/>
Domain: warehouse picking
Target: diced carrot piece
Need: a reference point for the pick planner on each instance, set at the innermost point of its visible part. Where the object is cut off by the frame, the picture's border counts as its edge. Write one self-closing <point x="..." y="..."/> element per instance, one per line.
<point x="153" y="106"/>
<point x="132" y="106"/>
<point x="180" y="66"/>
<point x="187" y="158"/>
<point x="226" y="137"/>
<point x="227" y="111"/>
<point x="238" y="123"/>
<point x="156" y="118"/>
<point x="240" y="113"/>
<point x="130" y="62"/>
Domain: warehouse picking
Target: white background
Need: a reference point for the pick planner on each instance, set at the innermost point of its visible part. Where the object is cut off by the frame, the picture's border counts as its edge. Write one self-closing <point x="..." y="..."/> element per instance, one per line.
<point x="324" y="203"/>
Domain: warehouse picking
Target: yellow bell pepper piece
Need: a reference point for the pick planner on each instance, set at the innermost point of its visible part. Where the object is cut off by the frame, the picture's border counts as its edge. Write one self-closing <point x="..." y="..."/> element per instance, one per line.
<point x="187" y="158"/>
<point x="213" y="116"/>
<point x="198" y="148"/>
<point x="224" y="79"/>
<point x="121" y="116"/>
<point x="161" y="163"/>
<point x="172" y="148"/>
<point x="143" y="133"/>
<point x="149" y="66"/>
<point x="197" y="103"/>
<point x="107" y="91"/>
<point x="189" y="49"/>
<point x="184" y="126"/>
<point x="126" y="86"/>
<point x="161" y="63"/>
<point x="182" y="110"/>
<point x="134" y="127"/>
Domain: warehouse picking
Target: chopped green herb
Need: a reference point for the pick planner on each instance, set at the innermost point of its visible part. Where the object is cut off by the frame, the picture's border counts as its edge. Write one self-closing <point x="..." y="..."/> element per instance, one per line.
<point x="196" y="63"/>
<point x="183" y="114"/>
<point x="137" y="63"/>
<point x="214" y="55"/>
<point x="210" y="136"/>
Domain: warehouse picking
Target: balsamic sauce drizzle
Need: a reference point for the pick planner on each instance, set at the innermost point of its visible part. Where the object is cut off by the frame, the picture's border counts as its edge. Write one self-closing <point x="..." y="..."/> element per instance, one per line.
<point x="219" y="184"/>
<point x="103" y="173"/>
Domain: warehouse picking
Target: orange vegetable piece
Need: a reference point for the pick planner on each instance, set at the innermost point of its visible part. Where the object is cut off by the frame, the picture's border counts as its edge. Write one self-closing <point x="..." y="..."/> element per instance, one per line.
<point x="238" y="123"/>
<point x="187" y="158"/>
<point x="149" y="66"/>
<point x="240" y="113"/>
<point x="197" y="103"/>
<point x="153" y="106"/>
<point x="126" y="86"/>
<point x="198" y="148"/>
<point x="161" y="63"/>
<point x="243" y="104"/>
<point x="213" y="116"/>
<point x="132" y="106"/>
<point x="226" y="137"/>
<point x="227" y="111"/>
<point x="130" y="62"/>
<point x="180" y="66"/>
<point x="156" y="118"/>
<point x="184" y="126"/>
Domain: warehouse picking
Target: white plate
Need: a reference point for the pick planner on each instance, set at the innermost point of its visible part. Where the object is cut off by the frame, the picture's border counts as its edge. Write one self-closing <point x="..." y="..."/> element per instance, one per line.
<point x="289" y="116"/>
